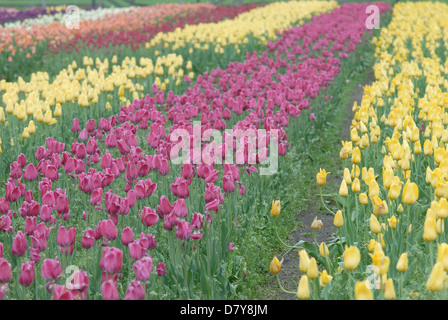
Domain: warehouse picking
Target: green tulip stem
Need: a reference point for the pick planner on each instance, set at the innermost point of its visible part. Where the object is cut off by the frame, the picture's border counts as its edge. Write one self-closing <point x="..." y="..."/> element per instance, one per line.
<point x="323" y="203"/>
<point x="281" y="287"/>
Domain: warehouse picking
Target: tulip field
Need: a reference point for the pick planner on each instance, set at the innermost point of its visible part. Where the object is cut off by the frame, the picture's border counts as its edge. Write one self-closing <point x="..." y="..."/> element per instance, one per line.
<point x="167" y="152"/>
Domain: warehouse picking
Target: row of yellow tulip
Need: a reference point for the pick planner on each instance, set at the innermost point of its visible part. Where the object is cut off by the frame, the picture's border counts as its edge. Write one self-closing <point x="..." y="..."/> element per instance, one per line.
<point x="393" y="195"/>
<point x="44" y="100"/>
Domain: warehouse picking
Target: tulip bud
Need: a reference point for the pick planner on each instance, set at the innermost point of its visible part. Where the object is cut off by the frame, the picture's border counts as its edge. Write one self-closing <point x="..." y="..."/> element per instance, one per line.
<point x="410" y="193"/>
<point x="338" y="219"/>
<point x="275" y="266"/>
<point x="304" y="261"/>
<point x="276" y="207"/>
<point x="352" y="257"/>
<point x="303" y="290"/>
<point x="403" y="261"/>
<point x="356" y="185"/>
<point x="389" y="290"/>
<point x="442" y="255"/>
<point x="363" y="199"/>
<point x="375" y="226"/>
<point x="313" y="271"/>
<point x="343" y="189"/>
<point x="323" y="250"/>
<point x="429" y="230"/>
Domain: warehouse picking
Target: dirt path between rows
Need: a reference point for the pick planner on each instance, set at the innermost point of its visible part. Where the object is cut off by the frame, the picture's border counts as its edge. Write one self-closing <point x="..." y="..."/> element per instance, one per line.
<point x="290" y="272"/>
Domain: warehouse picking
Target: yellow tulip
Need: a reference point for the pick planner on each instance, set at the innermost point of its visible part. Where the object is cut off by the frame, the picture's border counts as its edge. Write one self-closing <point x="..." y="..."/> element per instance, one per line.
<point x="275" y="265"/>
<point x="441" y="210"/>
<point x="392" y="222"/>
<point x="375" y="226"/>
<point x="442" y="255"/>
<point x="362" y="291"/>
<point x="429" y="230"/>
<point x="303" y="290"/>
<point x="352" y="257"/>
<point x="389" y="290"/>
<point x="356" y="186"/>
<point x="325" y="278"/>
<point x="321" y="177"/>
<point x="338" y="219"/>
<point x="356" y="155"/>
<point x="410" y="193"/>
<point x="403" y="262"/>
<point x="437" y="278"/>
<point x="304" y="261"/>
<point x="347" y="177"/>
<point x="343" y="189"/>
<point x="313" y="271"/>
<point x="276" y="207"/>
<point x="323" y="250"/>
<point x="363" y="199"/>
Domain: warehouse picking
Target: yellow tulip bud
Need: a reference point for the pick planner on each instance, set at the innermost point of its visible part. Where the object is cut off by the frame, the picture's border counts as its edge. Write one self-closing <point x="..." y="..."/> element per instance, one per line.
<point x="400" y="208"/>
<point x="372" y="245"/>
<point x="362" y="291"/>
<point x="276" y="207"/>
<point x="384" y="266"/>
<point x="375" y="226"/>
<point x="323" y="250"/>
<point x="363" y="199"/>
<point x="304" y="261"/>
<point x="403" y="262"/>
<point x="313" y="271"/>
<point x="437" y="278"/>
<point x="347" y="177"/>
<point x="389" y="290"/>
<point x="25" y="134"/>
<point x="356" y="185"/>
<point x="338" y="219"/>
<point x="429" y="230"/>
<point x="275" y="265"/>
<point x="343" y="189"/>
<point x="352" y="257"/>
<point x="356" y="155"/>
<point x="303" y="290"/>
<point x="441" y="209"/>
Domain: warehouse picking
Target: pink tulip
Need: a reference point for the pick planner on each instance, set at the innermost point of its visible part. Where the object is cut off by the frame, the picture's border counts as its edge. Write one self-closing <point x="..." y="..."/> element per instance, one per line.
<point x="4" y="205"/>
<point x="75" y="125"/>
<point x="180" y="208"/>
<point x="127" y="236"/>
<point x="135" y="291"/>
<point x="161" y="269"/>
<point x="60" y="292"/>
<point x="149" y="216"/>
<point x="136" y="250"/>
<point x="142" y="268"/>
<point x="30" y="173"/>
<point x="97" y="197"/>
<point x="5" y="271"/>
<point x="111" y="260"/>
<point x="27" y="275"/>
<point x="109" y="290"/>
<point x="30" y="225"/>
<point x="183" y="230"/>
<point x="51" y="269"/>
<point x="88" y="239"/>
<point x="19" y="245"/>
<point x="108" y="230"/>
<point x="212" y="206"/>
